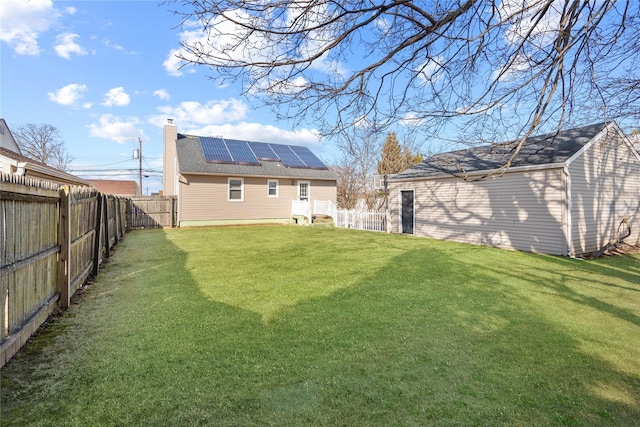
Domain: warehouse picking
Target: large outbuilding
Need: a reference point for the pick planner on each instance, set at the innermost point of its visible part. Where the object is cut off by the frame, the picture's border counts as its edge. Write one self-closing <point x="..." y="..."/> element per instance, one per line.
<point x="565" y="193"/>
<point x="221" y="181"/>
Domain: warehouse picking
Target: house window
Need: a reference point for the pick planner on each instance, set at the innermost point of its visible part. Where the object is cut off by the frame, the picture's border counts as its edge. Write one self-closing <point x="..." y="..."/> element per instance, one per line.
<point x="303" y="190"/>
<point x="236" y="189"/>
<point x="272" y="188"/>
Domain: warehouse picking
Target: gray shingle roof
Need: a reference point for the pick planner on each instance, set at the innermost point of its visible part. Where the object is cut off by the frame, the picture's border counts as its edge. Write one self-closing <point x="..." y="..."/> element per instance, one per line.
<point x="553" y="148"/>
<point x="191" y="160"/>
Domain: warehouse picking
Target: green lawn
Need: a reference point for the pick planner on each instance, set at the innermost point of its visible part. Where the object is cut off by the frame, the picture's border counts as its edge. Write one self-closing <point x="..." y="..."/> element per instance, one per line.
<point x="293" y="326"/>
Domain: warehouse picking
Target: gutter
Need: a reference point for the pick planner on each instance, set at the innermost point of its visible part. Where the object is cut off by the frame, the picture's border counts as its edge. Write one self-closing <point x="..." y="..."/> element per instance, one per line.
<point x="568" y="203"/>
<point x="301" y="177"/>
<point x="25" y="167"/>
<point x="483" y="172"/>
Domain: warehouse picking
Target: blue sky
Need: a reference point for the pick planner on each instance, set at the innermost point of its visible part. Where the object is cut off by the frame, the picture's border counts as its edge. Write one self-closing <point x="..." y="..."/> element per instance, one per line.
<point x="102" y="72"/>
<point x="105" y="74"/>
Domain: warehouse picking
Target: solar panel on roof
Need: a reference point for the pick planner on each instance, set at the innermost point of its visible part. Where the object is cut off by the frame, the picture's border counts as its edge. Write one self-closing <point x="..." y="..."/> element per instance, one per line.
<point x="287" y="157"/>
<point x="263" y="151"/>
<point x="308" y="157"/>
<point x="215" y="150"/>
<point x="219" y="150"/>
<point x="240" y="152"/>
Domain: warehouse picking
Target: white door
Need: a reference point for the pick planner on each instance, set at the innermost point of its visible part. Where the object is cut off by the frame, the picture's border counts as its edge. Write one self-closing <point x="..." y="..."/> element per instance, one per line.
<point x="303" y="191"/>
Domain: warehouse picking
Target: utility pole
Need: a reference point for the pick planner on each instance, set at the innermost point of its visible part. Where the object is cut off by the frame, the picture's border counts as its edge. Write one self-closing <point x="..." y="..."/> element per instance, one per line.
<point x="140" y="166"/>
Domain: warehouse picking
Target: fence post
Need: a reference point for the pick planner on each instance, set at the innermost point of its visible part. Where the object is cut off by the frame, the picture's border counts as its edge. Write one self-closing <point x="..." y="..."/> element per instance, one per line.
<point x="64" y="240"/>
<point x="128" y="213"/>
<point x="105" y="220"/>
<point x="172" y="213"/>
<point x="96" y="243"/>
<point x="116" y="218"/>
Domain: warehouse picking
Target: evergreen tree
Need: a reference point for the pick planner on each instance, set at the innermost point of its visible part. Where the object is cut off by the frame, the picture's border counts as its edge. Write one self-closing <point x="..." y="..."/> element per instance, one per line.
<point x="391" y="160"/>
<point x="396" y="158"/>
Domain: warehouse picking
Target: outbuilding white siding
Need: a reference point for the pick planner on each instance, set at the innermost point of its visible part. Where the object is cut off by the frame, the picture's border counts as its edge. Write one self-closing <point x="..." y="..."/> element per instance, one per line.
<point x="569" y="207"/>
<point x="520" y="210"/>
<point x="605" y="189"/>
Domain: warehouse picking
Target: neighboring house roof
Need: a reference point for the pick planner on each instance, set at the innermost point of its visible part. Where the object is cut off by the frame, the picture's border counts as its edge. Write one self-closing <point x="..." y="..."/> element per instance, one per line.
<point x="191" y="160"/>
<point x="25" y="166"/>
<point x="7" y="140"/>
<point x="543" y="150"/>
<point x="116" y="187"/>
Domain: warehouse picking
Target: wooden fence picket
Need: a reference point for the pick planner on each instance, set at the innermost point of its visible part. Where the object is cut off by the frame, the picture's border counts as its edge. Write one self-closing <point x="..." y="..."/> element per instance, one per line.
<point x="52" y="239"/>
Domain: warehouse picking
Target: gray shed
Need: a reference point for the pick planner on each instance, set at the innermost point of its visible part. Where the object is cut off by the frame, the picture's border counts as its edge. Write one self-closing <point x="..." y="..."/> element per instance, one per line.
<point x="565" y="193"/>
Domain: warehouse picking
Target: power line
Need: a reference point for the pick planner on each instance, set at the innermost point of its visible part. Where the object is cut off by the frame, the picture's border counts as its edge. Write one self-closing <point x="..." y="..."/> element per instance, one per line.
<point x="150" y="171"/>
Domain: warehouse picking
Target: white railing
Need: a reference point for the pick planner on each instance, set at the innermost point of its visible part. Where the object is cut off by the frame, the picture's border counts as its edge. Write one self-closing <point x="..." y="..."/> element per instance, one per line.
<point x="324" y="207"/>
<point x="357" y="219"/>
<point x="361" y="220"/>
<point x="301" y="207"/>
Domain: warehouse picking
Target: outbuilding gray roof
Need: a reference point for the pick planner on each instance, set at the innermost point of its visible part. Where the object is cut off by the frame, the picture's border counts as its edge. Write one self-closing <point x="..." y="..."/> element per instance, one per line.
<point x="552" y="148"/>
<point x="191" y="160"/>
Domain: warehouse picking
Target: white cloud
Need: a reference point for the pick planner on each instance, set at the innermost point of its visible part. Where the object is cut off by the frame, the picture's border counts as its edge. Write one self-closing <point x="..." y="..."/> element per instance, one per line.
<point x="117" y="129"/>
<point x="231" y="42"/>
<point x="512" y="70"/>
<point x="108" y="43"/>
<point x="192" y="113"/>
<point x="68" y="95"/>
<point x="525" y="24"/>
<point x="283" y="86"/>
<point x="262" y="133"/>
<point x="66" y="45"/>
<point x="412" y="120"/>
<point x="214" y="118"/>
<point x="116" y="97"/>
<point x="523" y="16"/>
<point x="382" y="25"/>
<point x="428" y="71"/>
<point x="172" y="63"/>
<point x="23" y="21"/>
<point x="162" y="94"/>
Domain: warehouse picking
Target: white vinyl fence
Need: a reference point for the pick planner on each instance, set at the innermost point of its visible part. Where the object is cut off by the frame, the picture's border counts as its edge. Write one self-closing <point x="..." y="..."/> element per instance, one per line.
<point x="301" y="207"/>
<point x="361" y="220"/>
<point x="357" y="219"/>
<point x="324" y="207"/>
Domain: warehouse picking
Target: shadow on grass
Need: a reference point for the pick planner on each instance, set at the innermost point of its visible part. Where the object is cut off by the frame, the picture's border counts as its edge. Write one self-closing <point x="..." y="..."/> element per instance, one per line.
<point x="439" y="335"/>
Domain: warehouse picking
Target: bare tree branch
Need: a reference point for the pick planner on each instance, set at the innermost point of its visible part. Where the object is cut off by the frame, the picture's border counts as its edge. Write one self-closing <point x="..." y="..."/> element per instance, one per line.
<point x="43" y="144"/>
<point x="501" y="67"/>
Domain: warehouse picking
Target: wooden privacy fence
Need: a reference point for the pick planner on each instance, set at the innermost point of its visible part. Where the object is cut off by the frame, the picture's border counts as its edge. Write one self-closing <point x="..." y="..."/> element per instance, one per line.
<point x="151" y="212"/>
<point x="52" y="239"/>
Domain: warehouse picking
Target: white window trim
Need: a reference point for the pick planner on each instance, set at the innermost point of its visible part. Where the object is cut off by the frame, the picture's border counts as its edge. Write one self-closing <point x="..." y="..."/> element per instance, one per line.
<point x="269" y="181"/>
<point x="229" y="199"/>
<point x="308" y="189"/>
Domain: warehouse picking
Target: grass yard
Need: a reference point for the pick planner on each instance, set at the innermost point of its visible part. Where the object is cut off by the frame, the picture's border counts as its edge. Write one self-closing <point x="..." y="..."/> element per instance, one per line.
<point x="292" y="326"/>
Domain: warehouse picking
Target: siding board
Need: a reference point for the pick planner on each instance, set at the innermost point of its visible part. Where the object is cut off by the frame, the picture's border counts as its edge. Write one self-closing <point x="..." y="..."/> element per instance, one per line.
<point x="204" y="198"/>
<point x="519" y="210"/>
<point x="604" y="192"/>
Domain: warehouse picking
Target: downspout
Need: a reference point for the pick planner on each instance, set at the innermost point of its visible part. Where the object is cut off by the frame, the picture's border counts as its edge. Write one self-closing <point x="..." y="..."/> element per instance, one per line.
<point x="176" y="190"/>
<point x="568" y="203"/>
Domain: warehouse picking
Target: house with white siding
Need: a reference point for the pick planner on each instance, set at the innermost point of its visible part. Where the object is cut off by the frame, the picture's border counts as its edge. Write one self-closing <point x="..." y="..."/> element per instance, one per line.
<point x="220" y="181"/>
<point x="13" y="162"/>
<point x="565" y="193"/>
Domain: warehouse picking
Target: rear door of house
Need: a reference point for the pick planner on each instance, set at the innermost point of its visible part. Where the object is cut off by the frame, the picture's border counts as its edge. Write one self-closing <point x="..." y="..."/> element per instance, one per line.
<point x="303" y="191"/>
<point x="407" y="211"/>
